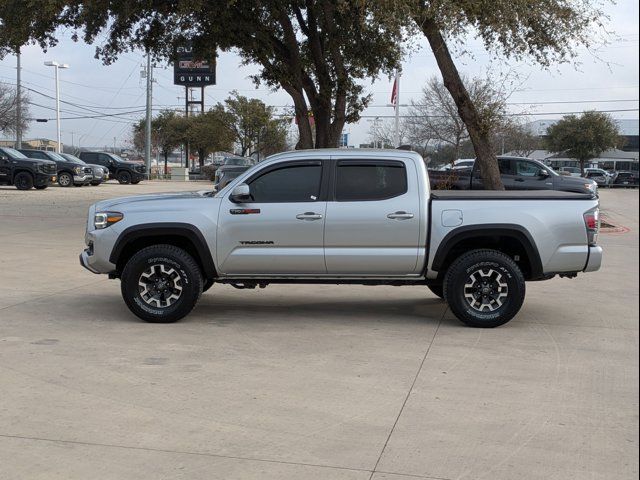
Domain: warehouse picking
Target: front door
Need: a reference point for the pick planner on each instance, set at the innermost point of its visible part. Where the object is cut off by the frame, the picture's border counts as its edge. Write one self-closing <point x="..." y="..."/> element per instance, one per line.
<point x="373" y="219"/>
<point x="529" y="176"/>
<point x="280" y="231"/>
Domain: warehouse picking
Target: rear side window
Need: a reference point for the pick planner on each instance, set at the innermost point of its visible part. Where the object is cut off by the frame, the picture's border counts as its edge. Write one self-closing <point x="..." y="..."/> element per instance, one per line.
<point x="368" y="181"/>
<point x="295" y="183"/>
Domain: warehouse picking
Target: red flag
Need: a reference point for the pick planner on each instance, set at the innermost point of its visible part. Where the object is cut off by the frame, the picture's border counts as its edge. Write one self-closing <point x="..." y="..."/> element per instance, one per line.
<point x="394" y="92"/>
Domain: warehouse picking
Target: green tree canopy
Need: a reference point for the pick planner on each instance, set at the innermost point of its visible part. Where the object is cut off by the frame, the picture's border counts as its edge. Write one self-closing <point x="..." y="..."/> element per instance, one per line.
<point x="256" y="129"/>
<point x="316" y="50"/>
<point x="210" y="132"/>
<point x="583" y="137"/>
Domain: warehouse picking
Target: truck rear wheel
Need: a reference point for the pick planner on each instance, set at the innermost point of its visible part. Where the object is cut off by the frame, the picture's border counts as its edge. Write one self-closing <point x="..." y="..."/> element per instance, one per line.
<point x="484" y="288"/>
<point x="161" y="283"/>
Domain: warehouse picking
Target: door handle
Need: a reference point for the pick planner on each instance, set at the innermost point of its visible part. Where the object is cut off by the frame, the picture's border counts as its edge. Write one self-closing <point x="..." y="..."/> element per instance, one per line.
<point x="518" y="180"/>
<point x="400" y="216"/>
<point x="309" y="216"/>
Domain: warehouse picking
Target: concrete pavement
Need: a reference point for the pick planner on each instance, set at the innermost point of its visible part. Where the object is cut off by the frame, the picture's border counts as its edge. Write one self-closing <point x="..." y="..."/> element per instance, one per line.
<point x="307" y="382"/>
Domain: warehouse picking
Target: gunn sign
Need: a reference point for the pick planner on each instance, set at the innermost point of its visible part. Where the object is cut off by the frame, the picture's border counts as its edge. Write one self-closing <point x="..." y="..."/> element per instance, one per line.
<point x="190" y="72"/>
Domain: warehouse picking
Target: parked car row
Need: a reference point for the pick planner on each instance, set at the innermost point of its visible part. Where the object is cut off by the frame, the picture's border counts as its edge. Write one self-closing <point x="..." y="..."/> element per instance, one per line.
<point x="27" y="168"/>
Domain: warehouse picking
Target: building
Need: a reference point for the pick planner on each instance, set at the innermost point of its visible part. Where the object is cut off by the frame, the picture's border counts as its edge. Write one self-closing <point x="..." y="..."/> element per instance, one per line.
<point x="34" y="143"/>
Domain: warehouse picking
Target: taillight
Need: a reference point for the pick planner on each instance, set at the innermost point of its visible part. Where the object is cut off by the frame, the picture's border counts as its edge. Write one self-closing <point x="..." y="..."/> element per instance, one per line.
<point x="592" y="223"/>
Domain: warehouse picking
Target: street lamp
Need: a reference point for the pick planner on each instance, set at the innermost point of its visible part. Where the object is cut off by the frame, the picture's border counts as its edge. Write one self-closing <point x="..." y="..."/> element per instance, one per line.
<point x="57" y="66"/>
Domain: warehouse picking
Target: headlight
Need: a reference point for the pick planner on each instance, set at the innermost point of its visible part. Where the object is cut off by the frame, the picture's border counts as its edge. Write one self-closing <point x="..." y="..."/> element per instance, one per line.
<point x="78" y="170"/>
<point x="105" y="219"/>
<point x="591" y="186"/>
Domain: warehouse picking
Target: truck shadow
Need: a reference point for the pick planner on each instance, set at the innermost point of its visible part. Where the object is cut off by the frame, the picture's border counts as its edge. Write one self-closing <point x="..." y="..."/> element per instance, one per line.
<point x="227" y="311"/>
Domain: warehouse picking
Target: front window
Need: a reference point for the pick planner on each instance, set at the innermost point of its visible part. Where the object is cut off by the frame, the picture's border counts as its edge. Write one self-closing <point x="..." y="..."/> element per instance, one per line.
<point x="293" y="183"/>
<point x="527" y="169"/>
<point x="368" y="181"/>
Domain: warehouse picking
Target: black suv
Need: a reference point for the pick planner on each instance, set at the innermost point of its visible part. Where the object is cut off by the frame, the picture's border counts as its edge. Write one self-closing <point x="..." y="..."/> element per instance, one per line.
<point x="119" y="168"/>
<point x="69" y="173"/>
<point x="16" y="169"/>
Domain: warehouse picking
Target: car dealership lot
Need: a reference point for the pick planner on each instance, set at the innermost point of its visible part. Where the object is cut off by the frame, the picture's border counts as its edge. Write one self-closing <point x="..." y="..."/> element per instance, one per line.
<point x="307" y="381"/>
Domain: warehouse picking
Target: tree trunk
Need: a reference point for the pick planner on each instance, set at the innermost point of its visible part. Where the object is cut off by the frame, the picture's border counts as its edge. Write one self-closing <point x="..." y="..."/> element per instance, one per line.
<point x="480" y="136"/>
<point x="305" y="140"/>
<point x="201" y="154"/>
<point x="166" y="161"/>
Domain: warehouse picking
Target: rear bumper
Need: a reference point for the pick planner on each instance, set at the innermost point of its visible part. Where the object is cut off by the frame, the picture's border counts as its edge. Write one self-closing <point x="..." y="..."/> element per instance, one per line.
<point x="595" y="259"/>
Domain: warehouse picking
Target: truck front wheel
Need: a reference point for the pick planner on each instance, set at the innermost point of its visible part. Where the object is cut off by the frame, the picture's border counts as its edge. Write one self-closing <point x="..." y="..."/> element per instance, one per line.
<point x="161" y="283"/>
<point x="23" y="181"/>
<point x="484" y="288"/>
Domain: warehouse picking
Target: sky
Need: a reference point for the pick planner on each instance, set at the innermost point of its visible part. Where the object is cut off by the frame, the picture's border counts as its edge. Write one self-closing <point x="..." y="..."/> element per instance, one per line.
<point x="607" y="79"/>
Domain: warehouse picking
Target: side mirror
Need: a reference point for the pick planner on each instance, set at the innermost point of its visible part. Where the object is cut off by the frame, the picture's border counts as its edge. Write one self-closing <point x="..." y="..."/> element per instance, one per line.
<point x="240" y="193"/>
<point x="544" y="173"/>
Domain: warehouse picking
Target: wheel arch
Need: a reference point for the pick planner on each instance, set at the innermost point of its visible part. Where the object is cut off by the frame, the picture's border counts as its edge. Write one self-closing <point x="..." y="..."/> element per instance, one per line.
<point x="21" y="170"/>
<point x="513" y="240"/>
<point x="182" y="235"/>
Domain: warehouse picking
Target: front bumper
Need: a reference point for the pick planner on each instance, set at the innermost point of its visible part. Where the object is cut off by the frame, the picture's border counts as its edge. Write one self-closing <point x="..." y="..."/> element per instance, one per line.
<point x="138" y="177"/>
<point x="44" y="179"/>
<point x="595" y="259"/>
<point x="84" y="261"/>
<point x="82" y="179"/>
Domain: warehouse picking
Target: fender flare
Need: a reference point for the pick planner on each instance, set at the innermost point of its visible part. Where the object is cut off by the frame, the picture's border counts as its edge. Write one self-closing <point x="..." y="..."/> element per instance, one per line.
<point x="160" y="229"/>
<point x="517" y="232"/>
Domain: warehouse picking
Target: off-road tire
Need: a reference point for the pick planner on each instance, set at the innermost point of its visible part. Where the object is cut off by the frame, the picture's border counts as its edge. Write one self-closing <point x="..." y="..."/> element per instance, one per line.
<point x="124" y="178"/>
<point x="437" y="290"/>
<point x="174" y="259"/>
<point x="135" y="182"/>
<point x="23" y="181"/>
<point x="68" y="179"/>
<point x="461" y="278"/>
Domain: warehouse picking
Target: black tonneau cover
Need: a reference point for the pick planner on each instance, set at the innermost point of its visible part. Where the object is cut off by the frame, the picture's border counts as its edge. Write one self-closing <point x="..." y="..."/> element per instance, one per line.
<point x="508" y="195"/>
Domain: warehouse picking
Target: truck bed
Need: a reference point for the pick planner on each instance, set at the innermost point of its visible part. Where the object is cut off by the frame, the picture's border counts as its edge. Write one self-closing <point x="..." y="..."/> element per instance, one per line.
<point x="508" y="195"/>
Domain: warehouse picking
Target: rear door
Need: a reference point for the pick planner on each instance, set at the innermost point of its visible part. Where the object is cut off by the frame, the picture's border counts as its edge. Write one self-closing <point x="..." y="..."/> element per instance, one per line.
<point x="505" y="165"/>
<point x="280" y="231"/>
<point x="373" y="218"/>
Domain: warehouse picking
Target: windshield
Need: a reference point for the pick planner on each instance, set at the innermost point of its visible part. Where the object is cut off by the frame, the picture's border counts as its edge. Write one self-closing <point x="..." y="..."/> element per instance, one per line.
<point x="73" y="159"/>
<point x="117" y="158"/>
<point x="236" y="161"/>
<point x="13" y="153"/>
<point x="57" y="156"/>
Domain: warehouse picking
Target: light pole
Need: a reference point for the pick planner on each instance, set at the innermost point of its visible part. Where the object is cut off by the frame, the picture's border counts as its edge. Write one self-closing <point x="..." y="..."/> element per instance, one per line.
<point x="57" y="66"/>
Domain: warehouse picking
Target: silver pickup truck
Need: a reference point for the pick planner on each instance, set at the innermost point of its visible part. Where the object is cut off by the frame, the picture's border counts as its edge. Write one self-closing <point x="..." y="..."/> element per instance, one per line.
<point x="342" y="217"/>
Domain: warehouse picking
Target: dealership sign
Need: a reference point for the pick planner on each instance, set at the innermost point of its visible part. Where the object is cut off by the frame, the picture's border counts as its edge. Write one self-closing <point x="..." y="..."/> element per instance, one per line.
<point x="190" y="72"/>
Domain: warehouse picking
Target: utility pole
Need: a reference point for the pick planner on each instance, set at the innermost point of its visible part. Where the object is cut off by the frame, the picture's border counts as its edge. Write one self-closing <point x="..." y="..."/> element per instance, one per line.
<point x="147" y="129"/>
<point x="57" y="66"/>
<point x="18" y="104"/>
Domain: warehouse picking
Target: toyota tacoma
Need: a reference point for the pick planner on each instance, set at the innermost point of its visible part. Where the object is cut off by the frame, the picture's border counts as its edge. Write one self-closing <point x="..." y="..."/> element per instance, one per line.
<point x="342" y="217"/>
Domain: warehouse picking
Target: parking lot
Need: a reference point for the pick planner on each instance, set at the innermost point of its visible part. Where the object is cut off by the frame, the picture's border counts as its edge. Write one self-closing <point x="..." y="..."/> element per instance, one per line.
<point x="307" y="382"/>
